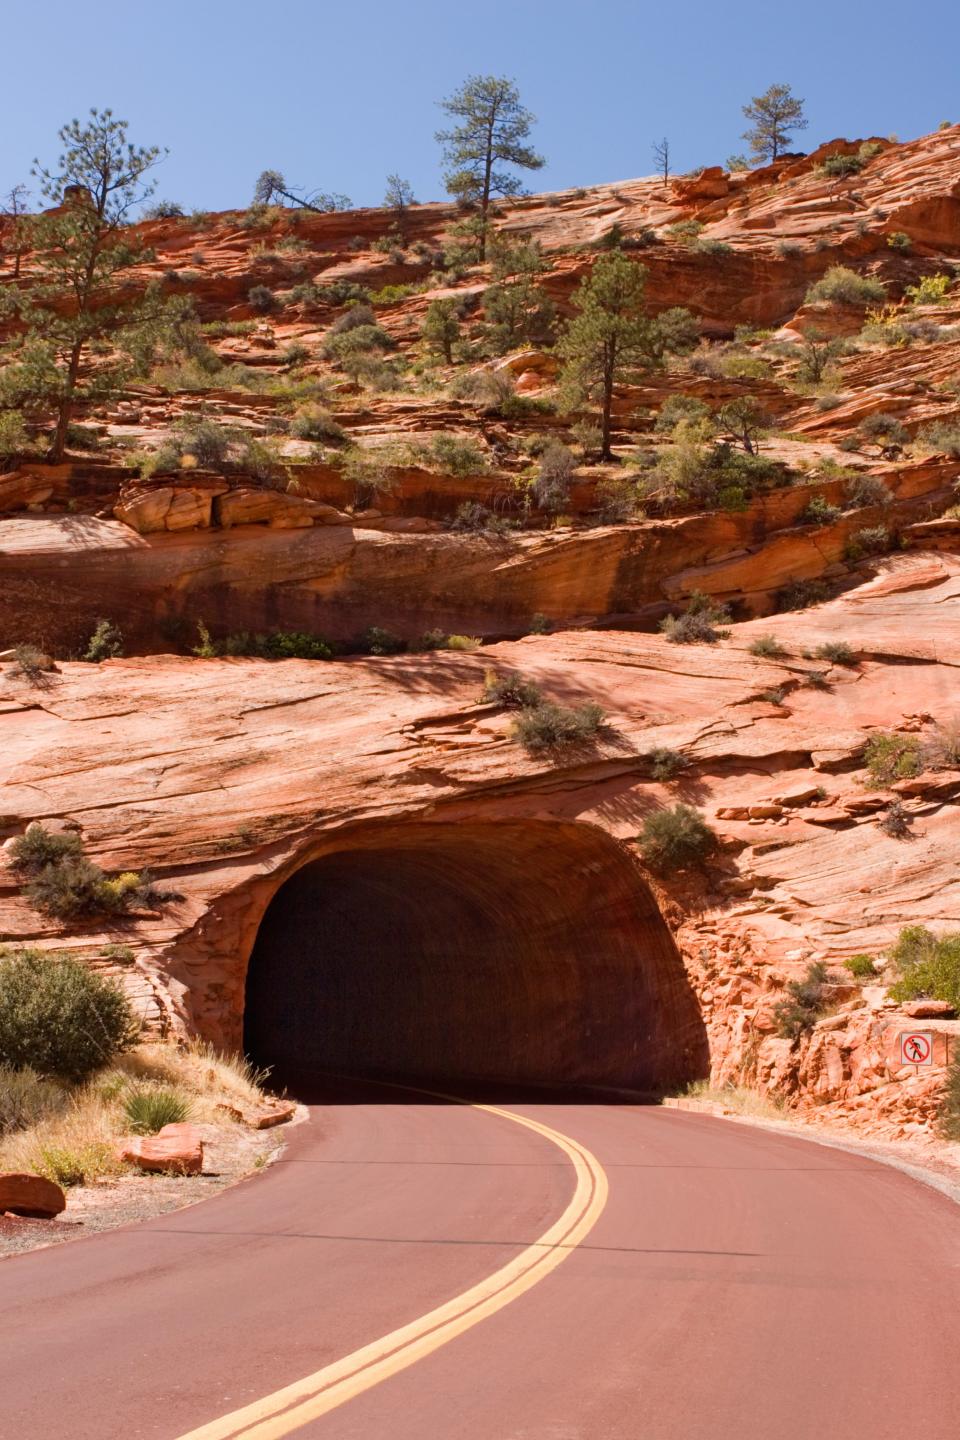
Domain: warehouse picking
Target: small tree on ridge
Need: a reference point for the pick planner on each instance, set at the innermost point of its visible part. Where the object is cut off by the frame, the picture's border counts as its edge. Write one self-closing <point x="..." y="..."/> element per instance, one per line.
<point x="774" y="114"/>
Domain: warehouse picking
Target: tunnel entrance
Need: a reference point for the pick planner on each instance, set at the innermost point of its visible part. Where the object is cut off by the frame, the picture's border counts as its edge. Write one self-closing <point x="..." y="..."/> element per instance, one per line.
<point x="522" y="953"/>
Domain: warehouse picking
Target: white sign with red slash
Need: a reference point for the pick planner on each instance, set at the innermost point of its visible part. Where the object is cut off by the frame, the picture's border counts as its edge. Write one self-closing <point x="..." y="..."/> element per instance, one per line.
<point x="916" y="1047"/>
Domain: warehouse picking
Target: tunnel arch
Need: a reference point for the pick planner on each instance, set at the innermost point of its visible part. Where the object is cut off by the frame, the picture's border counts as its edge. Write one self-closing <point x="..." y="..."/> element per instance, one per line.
<point x="525" y="952"/>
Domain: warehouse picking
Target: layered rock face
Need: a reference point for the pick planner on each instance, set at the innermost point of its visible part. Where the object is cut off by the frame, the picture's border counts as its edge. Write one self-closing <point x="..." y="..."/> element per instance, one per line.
<point x="370" y="832"/>
<point x="373" y="872"/>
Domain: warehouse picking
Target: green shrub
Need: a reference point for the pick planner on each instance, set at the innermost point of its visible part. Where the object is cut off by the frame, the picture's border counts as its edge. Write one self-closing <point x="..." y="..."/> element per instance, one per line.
<point x="512" y="691"/>
<point x="546" y="726"/>
<point x="69" y="1165"/>
<point x="58" y="1017"/>
<point x="672" y="839"/>
<point x="820" y="512"/>
<point x="456" y="456"/>
<point x="899" y="240"/>
<point x="312" y="422"/>
<point x="929" y="290"/>
<point x="838" y="652"/>
<point x="928" y="965"/>
<point x="798" y="594"/>
<point x="665" y="763"/>
<point x="873" y="540"/>
<point x="262" y="299"/>
<point x="944" y="437"/>
<point x="861" y="967"/>
<point x="884" y="429"/>
<point x="806" y="1001"/>
<point x="440" y="640"/>
<point x="862" y="491"/>
<point x="842" y="286"/>
<point x="26" y="1098"/>
<point x="58" y="879"/>
<point x="680" y="407"/>
<point x="768" y="647"/>
<point x="106" y="643"/>
<point x="476" y="519"/>
<point x="839" y="166"/>
<point x="277" y="645"/>
<point x="377" y="641"/>
<point x="149" y="1108"/>
<point x="698" y="624"/>
<point x="890" y="756"/>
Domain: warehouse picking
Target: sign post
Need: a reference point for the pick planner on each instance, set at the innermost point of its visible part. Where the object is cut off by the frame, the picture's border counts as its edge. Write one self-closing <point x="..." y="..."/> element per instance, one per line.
<point x="916" y="1048"/>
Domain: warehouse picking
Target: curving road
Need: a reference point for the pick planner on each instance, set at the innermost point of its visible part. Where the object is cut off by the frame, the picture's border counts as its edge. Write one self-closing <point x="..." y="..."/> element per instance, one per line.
<point x="736" y="1285"/>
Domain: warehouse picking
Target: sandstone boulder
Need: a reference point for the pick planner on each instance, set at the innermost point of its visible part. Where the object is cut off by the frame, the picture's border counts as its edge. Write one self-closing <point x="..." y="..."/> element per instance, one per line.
<point x="31" y="1195"/>
<point x="250" y="506"/>
<point x="176" y="1149"/>
<point x="929" y="1009"/>
<point x="19" y="490"/>
<point x="168" y="507"/>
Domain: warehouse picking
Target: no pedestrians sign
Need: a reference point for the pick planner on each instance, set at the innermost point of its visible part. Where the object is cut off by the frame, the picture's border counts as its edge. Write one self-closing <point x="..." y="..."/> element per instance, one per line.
<point x="916" y="1047"/>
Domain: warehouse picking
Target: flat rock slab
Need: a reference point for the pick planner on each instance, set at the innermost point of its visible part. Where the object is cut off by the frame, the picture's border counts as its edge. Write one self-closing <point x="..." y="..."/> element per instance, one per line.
<point x="31" y="1195"/>
<point x="176" y="1149"/>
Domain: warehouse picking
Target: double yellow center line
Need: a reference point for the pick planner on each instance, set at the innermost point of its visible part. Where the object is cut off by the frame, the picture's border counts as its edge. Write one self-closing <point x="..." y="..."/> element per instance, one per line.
<point x="296" y="1405"/>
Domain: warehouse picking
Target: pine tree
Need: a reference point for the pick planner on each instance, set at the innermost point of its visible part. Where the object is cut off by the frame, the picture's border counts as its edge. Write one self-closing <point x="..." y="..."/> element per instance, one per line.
<point x="71" y="299"/>
<point x="492" y="130"/>
<point x="611" y="339"/>
<point x="774" y="114"/>
<point x="441" y="327"/>
<point x="661" y="155"/>
<point x="12" y="211"/>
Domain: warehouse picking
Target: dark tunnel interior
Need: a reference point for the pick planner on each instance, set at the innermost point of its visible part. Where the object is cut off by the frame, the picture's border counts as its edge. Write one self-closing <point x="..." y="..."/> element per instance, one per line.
<point x="522" y="953"/>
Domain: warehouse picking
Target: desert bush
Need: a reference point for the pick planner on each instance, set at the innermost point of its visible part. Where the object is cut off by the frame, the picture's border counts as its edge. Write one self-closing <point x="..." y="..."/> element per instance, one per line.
<point x="58" y="1017"/>
<point x="554" y="477"/>
<point x="665" y="763"/>
<point x="618" y="500"/>
<point x="862" y="491"/>
<point x="884" y="429"/>
<point x="313" y="422"/>
<point x="767" y="647"/>
<point x="262" y="299"/>
<point x="899" y="240"/>
<point x="148" y="1108"/>
<point x="943" y="437"/>
<point x="277" y="645"/>
<point x="490" y="390"/>
<point x="698" y="625"/>
<point x="546" y="726"/>
<point x="798" y="594"/>
<point x="677" y="408"/>
<point x="438" y="640"/>
<point x="806" y="1001"/>
<point x="26" y="1097"/>
<point x="455" y="455"/>
<point x="891" y="756"/>
<point x="476" y="519"/>
<point x="58" y="879"/>
<point x="842" y="286"/>
<point x="941" y="750"/>
<point x="378" y="641"/>
<point x="820" y="512"/>
<point x="510" y="690"/>
<point x="674" y="838"/>
<point x="839" y="166"/>
<point x="817" y="680"/>
<point x="949" y="1114"/>
<point x="929" y="290"/>
<point x="106" y="643"/>
<point x="32" y="664"/>
<point x="861" y="967"/>
<point x="838" y="652"/>
<point x="928" y="965"/>
<point x="163" y="210"/>
<point x="14" y="437"/>
<point x="359" y="316"/>
<point x="895" y="821"/>
<point x="872" y="540"/>
<point x="355" y="344"/>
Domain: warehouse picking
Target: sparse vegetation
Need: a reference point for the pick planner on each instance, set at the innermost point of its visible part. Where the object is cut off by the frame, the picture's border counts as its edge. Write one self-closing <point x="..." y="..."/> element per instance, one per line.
<point x="842" y="286"/>
<point x="890" y="756"/>
<point x="106" y="643"/>
<point x="806" y="1001"/>
<point x="838" y="652"/>
<point x="665" y="763"/>
<point x="861" y="967"/>
<point x="768" y="647"/>
<point x="928" y="965"/>
<point x="674" y="838"/>
<point x="699" y="624"/>
<point x="546" y="726"/>
<point x="58" y="1017"/>
<point x="149" y="1107"/>
<point x="59" y="880"/>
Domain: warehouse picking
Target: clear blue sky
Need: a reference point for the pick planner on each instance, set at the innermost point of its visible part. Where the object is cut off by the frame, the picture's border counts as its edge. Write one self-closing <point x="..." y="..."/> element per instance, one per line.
<point x="338" y="94"/>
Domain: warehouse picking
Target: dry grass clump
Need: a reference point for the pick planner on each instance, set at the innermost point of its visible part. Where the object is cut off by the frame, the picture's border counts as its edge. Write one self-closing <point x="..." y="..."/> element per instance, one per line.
<point x="75" y="1144"/>
<point x="738" y="1098"/>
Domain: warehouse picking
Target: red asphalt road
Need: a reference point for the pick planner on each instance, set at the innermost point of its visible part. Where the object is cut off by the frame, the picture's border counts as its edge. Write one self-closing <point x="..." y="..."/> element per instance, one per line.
<point x="740" y="1285"/>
